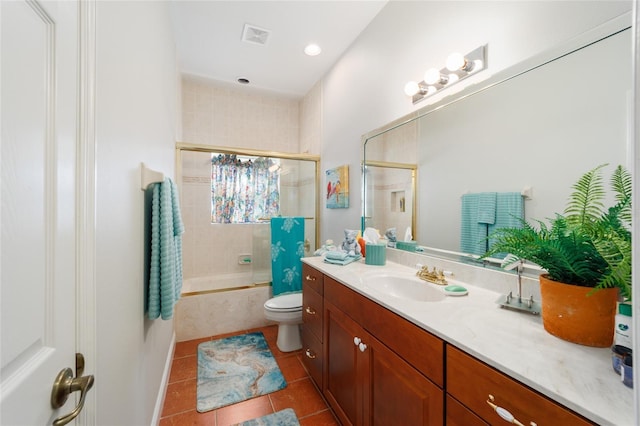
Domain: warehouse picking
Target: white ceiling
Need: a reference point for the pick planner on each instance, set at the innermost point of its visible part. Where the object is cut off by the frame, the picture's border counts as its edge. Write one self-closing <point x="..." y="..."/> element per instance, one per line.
<point x="209" y="39"/>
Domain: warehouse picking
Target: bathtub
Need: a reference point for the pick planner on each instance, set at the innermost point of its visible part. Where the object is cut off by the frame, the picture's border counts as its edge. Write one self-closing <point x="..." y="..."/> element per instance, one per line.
<point x="222" y="282"/>
<point x="219" y="304"/>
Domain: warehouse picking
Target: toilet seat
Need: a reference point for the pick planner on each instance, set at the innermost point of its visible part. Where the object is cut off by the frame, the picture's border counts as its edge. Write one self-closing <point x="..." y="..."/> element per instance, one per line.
<point x="287" y="303"/>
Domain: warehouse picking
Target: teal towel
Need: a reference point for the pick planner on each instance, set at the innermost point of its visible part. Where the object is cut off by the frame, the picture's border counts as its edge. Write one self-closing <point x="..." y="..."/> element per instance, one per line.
<point x="346" y="261"/>
<point x="509" y="212"/>
<point x="336" y="255"/>
<point x="473" y="235"/>
<point x="287" y="248"/>
<point x="165" y="274"/>
<point x="487" y="207"/>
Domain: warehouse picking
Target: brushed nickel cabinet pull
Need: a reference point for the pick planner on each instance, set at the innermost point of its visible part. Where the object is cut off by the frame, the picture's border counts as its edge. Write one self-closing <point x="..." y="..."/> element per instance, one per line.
<point x="310" y="278"/>
<point x="310" y="310"/>
<point x="310" y="354"/>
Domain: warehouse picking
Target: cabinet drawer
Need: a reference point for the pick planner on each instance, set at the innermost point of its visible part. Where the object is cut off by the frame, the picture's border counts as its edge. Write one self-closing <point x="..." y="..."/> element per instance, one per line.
<point x="312" y="356"/>
<point x="471" y="382"/>
<point x="312" y="304"/>
<point x="313" y="278"/>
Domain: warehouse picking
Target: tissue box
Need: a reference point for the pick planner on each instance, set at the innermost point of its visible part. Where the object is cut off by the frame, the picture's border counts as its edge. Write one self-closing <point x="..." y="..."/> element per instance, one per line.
<point x="376" y="254"/>
<point x="407" y="245"/>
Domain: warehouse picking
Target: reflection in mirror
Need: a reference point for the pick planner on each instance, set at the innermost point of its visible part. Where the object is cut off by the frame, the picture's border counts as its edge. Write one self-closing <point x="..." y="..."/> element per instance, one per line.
<point x="389" y="179"/>
<point x="390" y="189"/>
<point x="542" y="128"/>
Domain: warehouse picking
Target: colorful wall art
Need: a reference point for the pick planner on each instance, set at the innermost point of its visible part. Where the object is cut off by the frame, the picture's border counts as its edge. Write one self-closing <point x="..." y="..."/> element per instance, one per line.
<point x="338" y="187"/>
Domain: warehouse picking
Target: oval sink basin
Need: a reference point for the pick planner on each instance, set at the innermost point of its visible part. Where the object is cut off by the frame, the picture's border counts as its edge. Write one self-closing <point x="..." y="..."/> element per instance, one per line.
<point x="404" y="287"/>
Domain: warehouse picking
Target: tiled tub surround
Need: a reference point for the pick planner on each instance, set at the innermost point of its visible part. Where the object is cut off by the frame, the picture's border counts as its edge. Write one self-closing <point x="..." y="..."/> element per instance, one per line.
<point x="210" y="314"/>
<point x="579" y="377"/>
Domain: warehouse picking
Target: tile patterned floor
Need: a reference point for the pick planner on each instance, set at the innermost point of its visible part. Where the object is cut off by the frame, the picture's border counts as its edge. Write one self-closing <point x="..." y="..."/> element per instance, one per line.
<point x="300" y="394"/>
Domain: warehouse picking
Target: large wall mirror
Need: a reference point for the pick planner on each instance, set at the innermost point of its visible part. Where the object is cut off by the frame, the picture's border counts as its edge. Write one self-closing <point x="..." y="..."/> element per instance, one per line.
<point x="538" y="125"/>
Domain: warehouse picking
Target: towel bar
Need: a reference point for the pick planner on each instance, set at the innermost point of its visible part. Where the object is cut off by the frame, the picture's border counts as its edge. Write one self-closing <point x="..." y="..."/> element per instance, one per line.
<point x="149" y="176"/>
<point x="527" y="193"/>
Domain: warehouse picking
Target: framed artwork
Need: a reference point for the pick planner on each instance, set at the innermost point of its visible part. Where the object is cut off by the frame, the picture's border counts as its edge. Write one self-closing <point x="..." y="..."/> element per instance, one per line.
<point x="338" y="187"/>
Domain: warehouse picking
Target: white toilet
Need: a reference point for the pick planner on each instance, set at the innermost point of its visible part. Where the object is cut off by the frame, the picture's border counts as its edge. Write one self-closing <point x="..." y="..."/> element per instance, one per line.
<point x="286" y="310"/>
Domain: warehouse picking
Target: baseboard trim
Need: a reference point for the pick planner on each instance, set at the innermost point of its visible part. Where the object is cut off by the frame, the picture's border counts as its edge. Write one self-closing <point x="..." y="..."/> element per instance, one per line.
<point x="162" y="392"/>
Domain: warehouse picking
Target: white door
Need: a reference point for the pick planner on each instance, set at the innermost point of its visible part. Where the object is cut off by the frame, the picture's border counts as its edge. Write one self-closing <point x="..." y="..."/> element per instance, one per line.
<point x="39" y="116"/>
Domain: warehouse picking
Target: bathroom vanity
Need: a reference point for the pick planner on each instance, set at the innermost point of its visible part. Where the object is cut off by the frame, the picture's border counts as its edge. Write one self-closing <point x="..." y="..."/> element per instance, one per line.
<point x="380" y="357"/>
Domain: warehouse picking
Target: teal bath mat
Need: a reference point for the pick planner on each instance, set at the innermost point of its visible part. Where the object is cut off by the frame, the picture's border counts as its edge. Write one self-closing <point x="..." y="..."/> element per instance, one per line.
<point x="279" y="418"/>
<point x="235" y="369"/>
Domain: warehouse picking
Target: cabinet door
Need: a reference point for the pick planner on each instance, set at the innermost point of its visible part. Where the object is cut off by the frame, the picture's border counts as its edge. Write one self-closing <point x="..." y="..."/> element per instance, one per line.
<point x="459" y="415"/>
<point x="396" y="393"/>
<point x="341" y="365"/>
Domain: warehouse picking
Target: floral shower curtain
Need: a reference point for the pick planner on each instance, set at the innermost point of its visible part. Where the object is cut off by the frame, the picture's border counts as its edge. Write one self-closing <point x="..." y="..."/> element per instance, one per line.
<point x="244" y="191"/>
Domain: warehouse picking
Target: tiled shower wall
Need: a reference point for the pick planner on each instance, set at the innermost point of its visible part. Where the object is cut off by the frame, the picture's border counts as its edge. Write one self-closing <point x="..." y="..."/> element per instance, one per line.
<point x="218" y="115"/>
<point x="222" y="116"/>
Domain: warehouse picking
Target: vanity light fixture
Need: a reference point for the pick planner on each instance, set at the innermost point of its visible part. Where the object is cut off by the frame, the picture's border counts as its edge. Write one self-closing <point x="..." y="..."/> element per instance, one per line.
<point x="458" y="67"/>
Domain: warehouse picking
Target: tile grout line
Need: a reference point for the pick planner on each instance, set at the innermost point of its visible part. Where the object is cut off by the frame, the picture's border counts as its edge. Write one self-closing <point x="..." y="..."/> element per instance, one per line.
<point x="314" y="413"/>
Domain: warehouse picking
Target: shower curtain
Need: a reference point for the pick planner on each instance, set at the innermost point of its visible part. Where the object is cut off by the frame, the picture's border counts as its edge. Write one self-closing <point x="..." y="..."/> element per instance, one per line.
<point x="287" y="248"/>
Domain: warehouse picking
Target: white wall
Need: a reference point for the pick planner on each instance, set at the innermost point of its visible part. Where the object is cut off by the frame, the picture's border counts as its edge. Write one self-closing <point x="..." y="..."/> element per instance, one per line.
<point x="136" y="103"/>
<point x="364" y="90"/>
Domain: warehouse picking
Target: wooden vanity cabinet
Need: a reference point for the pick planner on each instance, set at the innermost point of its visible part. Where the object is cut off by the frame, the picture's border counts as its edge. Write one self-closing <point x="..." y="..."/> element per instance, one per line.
<point x="376" y="368"/>
<point x="472" y="383"/>
<point x="365" y="381"/>
<point x="313" y="323"/>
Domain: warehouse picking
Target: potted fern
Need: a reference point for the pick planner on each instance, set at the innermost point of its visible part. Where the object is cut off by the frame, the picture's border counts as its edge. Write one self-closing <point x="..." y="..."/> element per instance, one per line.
<point x="586" y="253"/>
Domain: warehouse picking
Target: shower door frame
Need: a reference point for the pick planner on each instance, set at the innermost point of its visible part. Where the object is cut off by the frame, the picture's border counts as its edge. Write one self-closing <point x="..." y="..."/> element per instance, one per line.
<point x="185" y="146"/>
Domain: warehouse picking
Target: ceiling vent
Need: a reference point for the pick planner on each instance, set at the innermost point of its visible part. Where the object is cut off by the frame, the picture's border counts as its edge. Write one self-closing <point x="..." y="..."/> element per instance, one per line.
<point x="255" y="35"/>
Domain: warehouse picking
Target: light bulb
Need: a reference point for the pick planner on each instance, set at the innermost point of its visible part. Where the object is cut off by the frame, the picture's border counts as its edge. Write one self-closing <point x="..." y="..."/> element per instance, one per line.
<point x="478" y="65"/>
<point x="431" y="90"/>
<point x="312" y="50"/>
<point x="432" y="76"/>
<point x="411" y="88"/>
<point x="455" y="61"/>
<point x="453" y="78"/>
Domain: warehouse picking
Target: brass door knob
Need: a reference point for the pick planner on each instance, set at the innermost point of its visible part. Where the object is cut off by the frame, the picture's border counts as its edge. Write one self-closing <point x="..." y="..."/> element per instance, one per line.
<point x="64" y="385"/>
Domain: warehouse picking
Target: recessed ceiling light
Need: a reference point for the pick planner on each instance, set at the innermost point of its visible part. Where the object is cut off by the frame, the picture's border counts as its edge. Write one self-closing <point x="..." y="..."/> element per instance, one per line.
<point x="312" y="49"/>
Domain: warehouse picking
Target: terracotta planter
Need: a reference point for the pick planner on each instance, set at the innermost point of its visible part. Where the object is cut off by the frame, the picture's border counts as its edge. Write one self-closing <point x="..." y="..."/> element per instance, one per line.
<point x="568" y="312"/>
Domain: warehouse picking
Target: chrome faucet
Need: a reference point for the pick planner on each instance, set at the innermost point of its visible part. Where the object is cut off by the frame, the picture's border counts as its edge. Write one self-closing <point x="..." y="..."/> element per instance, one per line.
<point x="435" y="276"/>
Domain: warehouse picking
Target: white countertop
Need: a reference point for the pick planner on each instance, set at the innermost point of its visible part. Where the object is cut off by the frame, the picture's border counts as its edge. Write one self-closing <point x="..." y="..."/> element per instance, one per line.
<point x="578" y="377"/>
